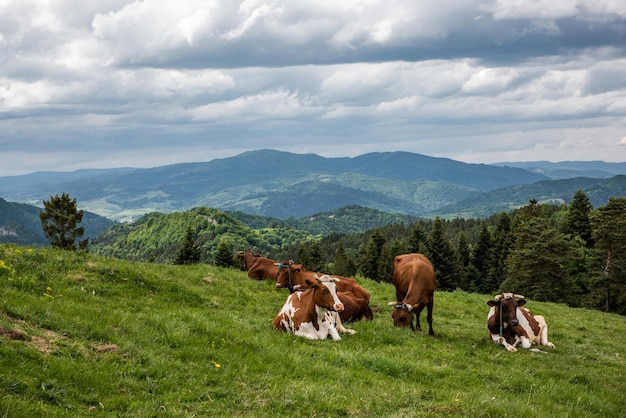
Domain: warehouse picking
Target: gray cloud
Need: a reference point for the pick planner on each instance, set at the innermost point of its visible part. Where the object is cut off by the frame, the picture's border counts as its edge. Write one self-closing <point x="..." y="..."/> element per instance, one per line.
<point x="157" y="82"/>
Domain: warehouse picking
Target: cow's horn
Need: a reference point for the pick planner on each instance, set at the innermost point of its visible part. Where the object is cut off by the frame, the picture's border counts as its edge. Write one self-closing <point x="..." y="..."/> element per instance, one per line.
<point x="516" y="296"/>
<point x="498" y="297"/>
<point x="409" y="307"/>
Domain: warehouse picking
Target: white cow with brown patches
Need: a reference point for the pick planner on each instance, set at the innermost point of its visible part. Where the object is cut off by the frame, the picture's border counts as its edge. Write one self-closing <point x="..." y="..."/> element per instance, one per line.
<point x="510" y="324"/>
<point x="313" y="313"/>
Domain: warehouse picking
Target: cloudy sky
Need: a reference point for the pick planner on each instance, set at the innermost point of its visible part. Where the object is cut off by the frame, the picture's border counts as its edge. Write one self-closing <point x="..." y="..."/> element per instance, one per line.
<point x="112" y="83"/>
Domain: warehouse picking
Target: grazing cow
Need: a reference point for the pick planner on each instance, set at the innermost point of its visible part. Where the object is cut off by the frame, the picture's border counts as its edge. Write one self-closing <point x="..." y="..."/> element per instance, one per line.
<point x="258" y="267"/>
<point x="414" y="279"/>
<point x="312" y="313"/>
<point x="510" y="324"/>
<point x="292" y="275"/>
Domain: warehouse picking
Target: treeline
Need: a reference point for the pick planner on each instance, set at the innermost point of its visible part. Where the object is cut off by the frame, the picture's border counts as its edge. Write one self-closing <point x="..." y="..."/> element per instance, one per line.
<point x="573" y="254"/>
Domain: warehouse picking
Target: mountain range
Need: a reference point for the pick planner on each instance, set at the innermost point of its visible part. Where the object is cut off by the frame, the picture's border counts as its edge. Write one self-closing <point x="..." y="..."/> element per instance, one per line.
<point x="287" y="185"/>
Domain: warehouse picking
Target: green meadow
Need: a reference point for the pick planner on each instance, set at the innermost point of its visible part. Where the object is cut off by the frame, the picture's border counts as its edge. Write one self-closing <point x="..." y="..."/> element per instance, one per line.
<point x="84" y="335"/>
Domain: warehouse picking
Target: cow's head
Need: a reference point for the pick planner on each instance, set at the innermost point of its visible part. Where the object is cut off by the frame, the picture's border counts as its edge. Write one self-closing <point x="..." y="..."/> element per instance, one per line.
<point x="285" y="271"/>
<point x="325" y="292"/>
<point x="403" y="315"/>
<point x="506" y="308"/>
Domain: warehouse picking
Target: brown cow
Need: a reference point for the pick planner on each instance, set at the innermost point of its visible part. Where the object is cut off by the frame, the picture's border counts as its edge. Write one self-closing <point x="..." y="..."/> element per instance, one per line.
<point x="258" y="267"/>
<point x="291" y="275"/>
<point x="414" y="279"/>
<point x="312" y="313"/>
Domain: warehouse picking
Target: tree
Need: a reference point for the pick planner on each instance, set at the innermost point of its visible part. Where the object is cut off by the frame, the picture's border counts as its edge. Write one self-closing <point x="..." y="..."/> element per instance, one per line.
<point x="578" y="223"/>
<point x="609" y="232"/>
<point x="60" y="221"/>
<point x="371" y="258"/>
<point x="189" y="252"/>
<point x="445" y="258"/>
<point x="500" y="251"/>
<point x="344" y="266"/>
<point x="224" y="256"/>
<point x="482" y="260"/>
<point x="417" y="239"/>
<point x="538" y="265"/>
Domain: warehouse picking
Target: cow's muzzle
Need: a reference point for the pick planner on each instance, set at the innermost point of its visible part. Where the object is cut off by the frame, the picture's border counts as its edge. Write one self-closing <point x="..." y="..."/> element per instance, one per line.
<point x="338" y="307"/>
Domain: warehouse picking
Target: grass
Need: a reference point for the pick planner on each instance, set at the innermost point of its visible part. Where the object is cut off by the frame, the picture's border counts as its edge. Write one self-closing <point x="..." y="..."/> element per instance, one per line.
<point x="85" y="335"/>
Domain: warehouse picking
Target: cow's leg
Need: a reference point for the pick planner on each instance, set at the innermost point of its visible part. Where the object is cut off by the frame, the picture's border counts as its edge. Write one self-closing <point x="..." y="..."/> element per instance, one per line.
<point x="429" y="318"/>
<point x="339" y="325"/>
<point x="543" y="333"/>
<point x="501" y="340"/>
<point x="418" y="311"/>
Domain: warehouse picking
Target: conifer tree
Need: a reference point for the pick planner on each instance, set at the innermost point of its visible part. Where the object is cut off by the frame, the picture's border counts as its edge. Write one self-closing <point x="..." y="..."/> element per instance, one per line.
<point x="482" y="260"/>
<point x="371" y="257"/>
<point x="578" y="223"/>
<point x="60" y="219"/>
<point x="609" y="233"/>
<point x="501" y="248"/>
<point x="417" y="239"/>
<point x="224" y="256"/>
<point x="189" y="252"/>
<point x="445" y="258"/>
<point x="344" y="266"/>
<point x="538" y="266"/>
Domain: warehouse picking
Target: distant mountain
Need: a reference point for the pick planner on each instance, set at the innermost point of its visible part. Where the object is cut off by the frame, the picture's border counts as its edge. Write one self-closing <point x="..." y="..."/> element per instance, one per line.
<point x="273" y="183"/>
<point x="570" y="169"/>
<point x="20" y="224"/>
<point x="554" y="191"/>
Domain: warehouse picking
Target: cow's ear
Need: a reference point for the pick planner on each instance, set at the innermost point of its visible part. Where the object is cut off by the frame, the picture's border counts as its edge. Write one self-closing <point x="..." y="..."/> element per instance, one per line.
<point x="521" y="302"/>
<point x="310" y="284"/>
<point x="493" y="302"/>
<point x="296" y="270"/>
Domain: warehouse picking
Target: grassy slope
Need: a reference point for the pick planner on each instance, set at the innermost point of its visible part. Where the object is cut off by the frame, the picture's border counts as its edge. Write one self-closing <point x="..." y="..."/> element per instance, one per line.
<point x="81" y="334"/>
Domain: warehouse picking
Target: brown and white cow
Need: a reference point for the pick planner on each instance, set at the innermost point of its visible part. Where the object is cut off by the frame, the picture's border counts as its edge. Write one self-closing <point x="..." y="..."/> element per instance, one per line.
<point x="292" y="275"/>
<point x="312" y="313"/>
<point x="510" y="324"/>
<point x="258" y="267"/>
<point x="414" y="279"/>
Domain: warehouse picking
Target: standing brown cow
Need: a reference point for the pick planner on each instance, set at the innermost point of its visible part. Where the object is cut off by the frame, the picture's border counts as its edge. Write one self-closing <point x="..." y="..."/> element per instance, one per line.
<point x="258" y="267"/>
<point x="414" y="279"/>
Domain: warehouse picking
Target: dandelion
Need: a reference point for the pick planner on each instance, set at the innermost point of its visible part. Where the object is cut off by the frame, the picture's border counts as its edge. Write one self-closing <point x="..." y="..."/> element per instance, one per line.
<point x="217" y="365"/>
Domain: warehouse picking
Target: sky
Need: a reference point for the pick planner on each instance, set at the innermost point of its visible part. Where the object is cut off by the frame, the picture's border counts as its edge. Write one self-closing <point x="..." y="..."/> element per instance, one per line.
<point x="120" y="83"/>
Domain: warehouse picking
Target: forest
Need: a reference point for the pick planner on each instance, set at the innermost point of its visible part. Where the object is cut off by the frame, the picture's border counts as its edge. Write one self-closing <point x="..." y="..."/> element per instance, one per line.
<point x="573" y="254"/>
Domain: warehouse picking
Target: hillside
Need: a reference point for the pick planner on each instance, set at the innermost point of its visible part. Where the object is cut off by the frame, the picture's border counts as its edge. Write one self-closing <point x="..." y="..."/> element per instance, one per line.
<point x="556" y="191"/>
<point x="83" y="335"/>
<point x="273" y="183"/>
<point x="570" y="169"/>
<point x="20" y="224"/>
<point x="158" y="236"/>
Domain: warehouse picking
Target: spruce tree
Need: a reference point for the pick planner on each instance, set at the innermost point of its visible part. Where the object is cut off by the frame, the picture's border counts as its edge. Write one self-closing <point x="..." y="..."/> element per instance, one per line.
<point x="189" y="252"/>
<point x="223" y="256"/>
<point x="482" y="260"/>
<point x="445" y="258"/>
<point x="60" y="219"/>
<point x="578" y="223"/>
<point x="609" y="233"/>
<point x="343" y="266"/>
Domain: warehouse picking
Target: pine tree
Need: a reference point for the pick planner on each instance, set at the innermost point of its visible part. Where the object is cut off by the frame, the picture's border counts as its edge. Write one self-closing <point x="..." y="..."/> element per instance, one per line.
<point x="445" y="258"/>
<point x="371" y="257"/>
<point x="344" y="266"/>
<point x="578" y="223"/>
<point x="417" y="239"/>
<point x="538" y="265"/>
<point x="609" y="233"/>
<point x="189" y="252"/>
<point x="482" y="259"/>
<point x="501" y="248"/>
<point x="60" y="221"/>
<point x="224" y="256"/>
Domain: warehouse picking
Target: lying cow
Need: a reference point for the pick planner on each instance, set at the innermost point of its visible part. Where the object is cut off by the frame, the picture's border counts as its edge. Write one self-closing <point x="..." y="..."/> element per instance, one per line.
<point x="414" y="279"/>
<point x="292" y="275"/>
<point x="510" y="324"/>
<point x="258" y="267"/>
<point x="312" y="313"/>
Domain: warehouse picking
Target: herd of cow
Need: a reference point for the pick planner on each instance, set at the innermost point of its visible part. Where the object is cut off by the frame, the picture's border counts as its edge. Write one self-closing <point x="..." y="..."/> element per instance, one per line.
<point x="319" y="304"/>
